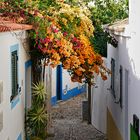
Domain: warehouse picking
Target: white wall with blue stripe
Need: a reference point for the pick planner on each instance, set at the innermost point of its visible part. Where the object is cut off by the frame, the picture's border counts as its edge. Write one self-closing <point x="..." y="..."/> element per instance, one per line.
<point x="12" y="110"/>
<point x="64" y="87"/>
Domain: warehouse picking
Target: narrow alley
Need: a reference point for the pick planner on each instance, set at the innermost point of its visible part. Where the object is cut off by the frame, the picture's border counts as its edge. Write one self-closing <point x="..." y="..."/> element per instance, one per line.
<point x="67" y="122"/>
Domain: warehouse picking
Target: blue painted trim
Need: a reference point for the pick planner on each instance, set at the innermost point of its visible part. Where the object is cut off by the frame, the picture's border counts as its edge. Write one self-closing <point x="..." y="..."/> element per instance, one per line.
<point x="70" y="93"/>
<point x="13" y="48"/>
<point x="61" y="82"/>
<point x="53" y="100"/>
<point x="15" y="101"/>
<point x="19" y="137"/>
<point x="56" y="83"/>
<point x="27" y="65"/>
<point x="73" y="92"/>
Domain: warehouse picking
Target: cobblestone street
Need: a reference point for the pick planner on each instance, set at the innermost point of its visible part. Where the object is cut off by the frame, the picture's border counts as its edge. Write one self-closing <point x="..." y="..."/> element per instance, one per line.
<point x="67" y="122"/>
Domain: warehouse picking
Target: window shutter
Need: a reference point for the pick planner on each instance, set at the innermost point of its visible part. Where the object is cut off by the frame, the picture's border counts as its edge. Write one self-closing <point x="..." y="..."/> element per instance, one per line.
<point x="14" y="64"/>
<point x="121" y="86"/>
<point x="113" y="77"/>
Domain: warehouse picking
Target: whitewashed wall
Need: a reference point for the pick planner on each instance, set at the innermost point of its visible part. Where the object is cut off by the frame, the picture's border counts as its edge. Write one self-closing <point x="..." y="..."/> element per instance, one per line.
<point x="134" y="19"/>
<point x="53" y="86"/>
<point x="134" y="49"/>
<point x="67" y="83"/>
<point x="68" y="89"/>
<point x="50" y="78"/>
<point x="98" y="103"/>
<point x="121" y="58"/>
<point x="13" y="119"/>
<point x="126" y="55"/>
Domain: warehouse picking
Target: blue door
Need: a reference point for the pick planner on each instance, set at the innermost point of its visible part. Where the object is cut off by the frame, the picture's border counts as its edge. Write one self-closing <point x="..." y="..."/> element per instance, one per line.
<point x="59" y="82"/>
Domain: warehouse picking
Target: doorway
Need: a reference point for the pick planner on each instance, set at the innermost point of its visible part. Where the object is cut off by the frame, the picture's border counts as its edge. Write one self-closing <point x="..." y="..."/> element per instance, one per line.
<point x="59" y="82"/>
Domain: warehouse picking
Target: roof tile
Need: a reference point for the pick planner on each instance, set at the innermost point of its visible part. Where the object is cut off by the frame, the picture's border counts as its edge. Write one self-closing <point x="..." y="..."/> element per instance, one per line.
<point x="118" y="26"/>
<point x="8" y="25"/>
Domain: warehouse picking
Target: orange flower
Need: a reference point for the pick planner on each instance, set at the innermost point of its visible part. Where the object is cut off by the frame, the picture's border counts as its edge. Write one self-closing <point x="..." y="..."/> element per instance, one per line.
<point x="99" y="59"/>
<point x="95" y="68"/>
<point x="56" y="56"/>
<point x="78" y="72"/>
<point x="76" y="78"/>
<point x="75" y="63"/>
<point x="90" y="61"/>
<point x="81" y="59"/>
<point x="104" y="77"/>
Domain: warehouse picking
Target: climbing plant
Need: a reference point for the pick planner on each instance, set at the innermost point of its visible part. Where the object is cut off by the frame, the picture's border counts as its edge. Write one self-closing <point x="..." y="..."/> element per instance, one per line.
<point x="103" y="12"/>
<point x="62" y="34"/>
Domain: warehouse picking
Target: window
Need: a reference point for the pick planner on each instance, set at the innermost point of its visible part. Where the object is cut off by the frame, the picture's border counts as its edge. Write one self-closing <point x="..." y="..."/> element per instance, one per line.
<point x="121" y="85"/>
<point x="113" y="77"/>
<point x="14" y="73"/>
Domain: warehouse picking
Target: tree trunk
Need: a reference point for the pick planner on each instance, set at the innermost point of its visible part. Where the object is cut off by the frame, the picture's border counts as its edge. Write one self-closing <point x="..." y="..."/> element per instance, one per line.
<point x="89" y="103"/>
<point x="44" y="67"/>
<point x="49" y="123"/>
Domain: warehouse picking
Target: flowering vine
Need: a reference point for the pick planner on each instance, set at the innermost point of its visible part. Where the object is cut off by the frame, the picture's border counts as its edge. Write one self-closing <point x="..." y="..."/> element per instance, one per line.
<point x="62" y="34"/>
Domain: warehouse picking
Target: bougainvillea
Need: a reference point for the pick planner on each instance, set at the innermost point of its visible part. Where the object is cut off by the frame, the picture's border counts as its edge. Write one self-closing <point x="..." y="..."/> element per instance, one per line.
<point x="62" y="34"/>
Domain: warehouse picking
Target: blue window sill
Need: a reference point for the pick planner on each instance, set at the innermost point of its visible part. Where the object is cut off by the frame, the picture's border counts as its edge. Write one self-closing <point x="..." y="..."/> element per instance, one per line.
<point x="19" y="137"/>
<point x="14" y="102"/>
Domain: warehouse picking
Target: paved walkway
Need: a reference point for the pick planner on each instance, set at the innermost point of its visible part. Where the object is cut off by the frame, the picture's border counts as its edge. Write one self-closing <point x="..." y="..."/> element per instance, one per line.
<point x="67" y="122"/>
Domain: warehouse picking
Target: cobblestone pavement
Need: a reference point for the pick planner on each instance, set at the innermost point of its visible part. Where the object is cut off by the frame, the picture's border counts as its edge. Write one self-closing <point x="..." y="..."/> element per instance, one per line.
<point x="67" y="122"/>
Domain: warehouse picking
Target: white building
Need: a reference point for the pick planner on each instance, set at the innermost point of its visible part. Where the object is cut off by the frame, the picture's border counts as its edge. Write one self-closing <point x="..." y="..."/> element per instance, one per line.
<point x="62" y="88"/>
<point x="121" y="91"/>
<point x="118" y="60"/>
<point x="15" y="79"/>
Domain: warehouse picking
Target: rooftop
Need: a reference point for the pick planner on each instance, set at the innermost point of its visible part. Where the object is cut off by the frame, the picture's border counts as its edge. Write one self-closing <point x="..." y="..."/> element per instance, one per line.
<point x="118" y="26"/>
<point x="7" y="24"/>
